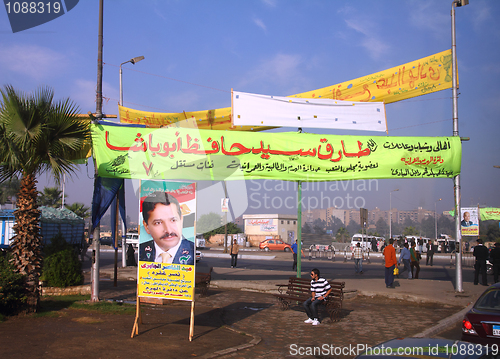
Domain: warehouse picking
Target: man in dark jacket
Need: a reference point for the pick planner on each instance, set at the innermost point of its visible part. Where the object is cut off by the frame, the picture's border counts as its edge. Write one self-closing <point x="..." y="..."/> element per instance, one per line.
<point x="481" y="254"/>
<point x="495" y="260"/>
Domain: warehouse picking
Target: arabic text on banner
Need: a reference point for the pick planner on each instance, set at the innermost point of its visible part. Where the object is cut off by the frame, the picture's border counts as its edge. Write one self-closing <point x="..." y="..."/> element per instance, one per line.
<point x="420" y="77"/>
<point x="490" y="214"/>
<point x="170" y="153"/>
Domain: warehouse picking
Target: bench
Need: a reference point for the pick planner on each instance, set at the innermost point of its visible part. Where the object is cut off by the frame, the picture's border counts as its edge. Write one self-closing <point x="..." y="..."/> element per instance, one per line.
<point x="202" y="281"/>
<point x="299" y="289"/>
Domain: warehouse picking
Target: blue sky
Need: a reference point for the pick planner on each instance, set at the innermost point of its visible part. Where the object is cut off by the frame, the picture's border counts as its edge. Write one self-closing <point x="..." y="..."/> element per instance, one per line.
<point x="196" y="51"/>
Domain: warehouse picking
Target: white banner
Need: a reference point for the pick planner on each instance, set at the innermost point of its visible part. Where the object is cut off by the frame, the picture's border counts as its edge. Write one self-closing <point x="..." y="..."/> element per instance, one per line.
<point x="259" y="110"/>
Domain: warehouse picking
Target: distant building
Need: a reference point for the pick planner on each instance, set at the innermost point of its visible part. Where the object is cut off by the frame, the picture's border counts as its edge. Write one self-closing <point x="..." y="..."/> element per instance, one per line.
<point x="281" y="226"/>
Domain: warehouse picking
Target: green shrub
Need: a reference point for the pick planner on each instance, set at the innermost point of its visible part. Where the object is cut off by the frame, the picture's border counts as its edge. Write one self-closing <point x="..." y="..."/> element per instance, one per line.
<point x="61" y="267"/>
<point x="12" y="287"/>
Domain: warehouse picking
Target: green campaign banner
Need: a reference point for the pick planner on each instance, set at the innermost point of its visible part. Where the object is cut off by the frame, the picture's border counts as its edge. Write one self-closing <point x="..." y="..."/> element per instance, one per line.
<point x="488" y="214"/>
<point x="182" y="153"/>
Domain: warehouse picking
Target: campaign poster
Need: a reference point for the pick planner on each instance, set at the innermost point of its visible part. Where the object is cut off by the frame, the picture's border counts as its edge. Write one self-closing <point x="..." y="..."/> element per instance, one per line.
<point x="167" y="213"/>
<point x="469" y="221"/>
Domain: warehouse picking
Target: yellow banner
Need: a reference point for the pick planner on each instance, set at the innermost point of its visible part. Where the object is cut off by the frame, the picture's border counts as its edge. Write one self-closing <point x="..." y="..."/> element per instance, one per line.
<point x="420" y="77"/>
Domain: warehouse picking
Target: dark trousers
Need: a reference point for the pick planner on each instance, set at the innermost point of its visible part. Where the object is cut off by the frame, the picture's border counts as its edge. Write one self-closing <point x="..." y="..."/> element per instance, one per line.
<point x="415" y="265"/>
<point x="496" y="270"/>
<point x="311" y="307"/>
<point x="480" y="267"/>
<point x="294" y="266"/>
<point x="430" y="257"/>
<point x="389" y="275"/>
<point x="234" y="259"/>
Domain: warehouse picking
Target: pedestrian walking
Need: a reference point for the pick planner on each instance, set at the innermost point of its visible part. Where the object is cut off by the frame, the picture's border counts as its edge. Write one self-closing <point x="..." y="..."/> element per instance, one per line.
<point x="405" y="257"/>
<point x="358" y="256"/>
<point x="481" y="254"/>
<point x="320" y="289"/>
<point x="430" y="253"/>
<point x="235" y="248"/>
<point x="294" y="251"/>
<point x="390" y="263"/>
<point x="131" y="256"/>
<point x="495" y="261"/>
<point x="414" y="261"/>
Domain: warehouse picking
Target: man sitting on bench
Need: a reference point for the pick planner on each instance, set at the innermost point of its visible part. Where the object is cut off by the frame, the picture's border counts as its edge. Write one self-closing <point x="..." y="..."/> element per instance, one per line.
<point x="320" y="289"/>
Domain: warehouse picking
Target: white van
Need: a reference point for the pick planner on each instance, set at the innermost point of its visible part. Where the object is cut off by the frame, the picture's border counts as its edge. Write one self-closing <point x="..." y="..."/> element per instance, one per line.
<point x="363" y="239"/>
<point x="133" y="238"/>
<point x="415" y="239"/>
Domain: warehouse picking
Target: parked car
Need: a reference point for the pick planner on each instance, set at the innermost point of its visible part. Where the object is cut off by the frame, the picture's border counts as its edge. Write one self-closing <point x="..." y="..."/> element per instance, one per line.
<point x="275" y="245"/>
<point x="107" y="241"/>
<point x="481" y="324"/>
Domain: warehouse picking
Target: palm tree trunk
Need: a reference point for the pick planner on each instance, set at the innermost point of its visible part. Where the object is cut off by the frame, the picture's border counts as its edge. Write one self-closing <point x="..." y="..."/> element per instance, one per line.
<point x="26" y="247"/>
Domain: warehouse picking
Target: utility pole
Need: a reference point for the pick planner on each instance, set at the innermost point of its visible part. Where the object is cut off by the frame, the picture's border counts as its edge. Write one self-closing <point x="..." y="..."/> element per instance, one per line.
<point x="97" y="229"/>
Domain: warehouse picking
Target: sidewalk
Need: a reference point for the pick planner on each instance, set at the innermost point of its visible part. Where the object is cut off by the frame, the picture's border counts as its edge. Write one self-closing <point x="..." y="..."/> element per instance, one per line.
<point x="242" y="299"/>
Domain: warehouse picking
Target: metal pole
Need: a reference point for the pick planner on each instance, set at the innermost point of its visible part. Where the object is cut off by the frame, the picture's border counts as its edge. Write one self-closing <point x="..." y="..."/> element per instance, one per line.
<point x="121" y="86"/>
<point x="117" y="218"/>
<point x="225" y="218"/>
<point x="299" y="229"/>
<point x="456" y="179"/>
<point x="97" y="231"/>
<point x="390" y="215"/>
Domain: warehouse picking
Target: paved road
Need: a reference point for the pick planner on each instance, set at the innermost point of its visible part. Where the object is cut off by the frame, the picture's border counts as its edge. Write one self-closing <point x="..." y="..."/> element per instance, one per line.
<point x="441" y="270"/>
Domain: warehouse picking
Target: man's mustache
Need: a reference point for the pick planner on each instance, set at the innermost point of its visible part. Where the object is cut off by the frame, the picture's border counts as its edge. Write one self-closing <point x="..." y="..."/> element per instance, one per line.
<point x="171" y="234"/>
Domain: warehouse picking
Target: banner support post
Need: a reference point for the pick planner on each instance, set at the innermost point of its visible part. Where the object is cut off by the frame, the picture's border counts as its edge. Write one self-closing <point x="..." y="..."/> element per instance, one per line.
<point x="299" y="228"/>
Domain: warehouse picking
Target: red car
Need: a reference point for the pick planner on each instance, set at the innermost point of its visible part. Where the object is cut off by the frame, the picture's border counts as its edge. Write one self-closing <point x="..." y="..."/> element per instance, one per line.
<point x="275" y="245"/>
<point x="481" y="324"/>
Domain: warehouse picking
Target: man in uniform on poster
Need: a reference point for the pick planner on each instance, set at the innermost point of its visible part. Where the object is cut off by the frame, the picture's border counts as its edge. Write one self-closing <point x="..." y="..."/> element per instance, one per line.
<point x="162" y="219"/>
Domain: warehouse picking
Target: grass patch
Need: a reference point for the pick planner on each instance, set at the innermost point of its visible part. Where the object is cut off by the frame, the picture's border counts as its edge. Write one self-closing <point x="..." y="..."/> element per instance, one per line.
<point x="106" y="307"/>
<point x="51" y="306"/>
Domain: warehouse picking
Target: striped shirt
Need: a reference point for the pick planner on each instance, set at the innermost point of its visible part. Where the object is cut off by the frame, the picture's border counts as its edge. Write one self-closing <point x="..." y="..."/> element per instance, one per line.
<point x="320" y="287"/>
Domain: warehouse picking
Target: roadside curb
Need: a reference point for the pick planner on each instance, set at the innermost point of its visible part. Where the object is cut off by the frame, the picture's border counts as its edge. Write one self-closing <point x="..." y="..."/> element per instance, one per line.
<point x="255" y="340"/>
<point x="444" y="323"/>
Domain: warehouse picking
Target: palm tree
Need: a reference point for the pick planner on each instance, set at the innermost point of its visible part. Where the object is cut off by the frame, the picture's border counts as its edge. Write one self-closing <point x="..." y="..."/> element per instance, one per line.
<point x="342" y="233"/>
<point x="50" y="197"/>
<point x="79" y="209"/>
<point x="37" y="135"/>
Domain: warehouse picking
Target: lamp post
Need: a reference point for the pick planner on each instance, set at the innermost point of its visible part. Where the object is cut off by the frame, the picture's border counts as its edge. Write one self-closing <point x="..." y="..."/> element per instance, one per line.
<point x="124" y="240"/>
<point x="456" y="179"/>
<point x="435" y="219"/>
<point x="390" y="212"/>
<point x="133" y="61"/>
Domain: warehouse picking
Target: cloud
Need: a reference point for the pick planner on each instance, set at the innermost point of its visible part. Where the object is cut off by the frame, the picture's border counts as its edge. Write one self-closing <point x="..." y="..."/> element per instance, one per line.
<point x="83" y="93"/>
<point x="425" y="17"/>
<point x="182" y="101"/>
<point x="283" y="70"/>
<point x="32" y="61"/>
<point x="260" y="23"/>
<point x="374" y="45"/>
<point x="269" y="3"/>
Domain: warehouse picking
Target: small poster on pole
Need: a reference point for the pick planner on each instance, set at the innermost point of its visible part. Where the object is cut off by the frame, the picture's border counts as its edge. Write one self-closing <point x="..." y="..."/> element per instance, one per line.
<point x="470" y="221"/>
<point x="224" y="205"/>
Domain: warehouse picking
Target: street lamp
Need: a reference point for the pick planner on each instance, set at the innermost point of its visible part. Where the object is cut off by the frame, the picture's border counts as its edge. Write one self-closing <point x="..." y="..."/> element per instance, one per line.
<point x="456" y="179"/>
<point x="390" y="212"/>
<point x="435" y="219"/>
<point x="133" y="61"/>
